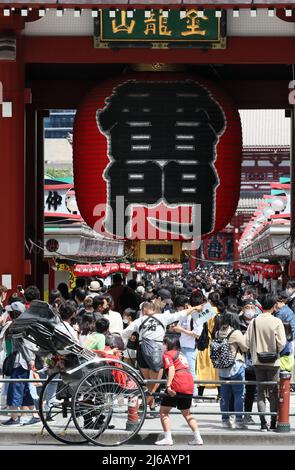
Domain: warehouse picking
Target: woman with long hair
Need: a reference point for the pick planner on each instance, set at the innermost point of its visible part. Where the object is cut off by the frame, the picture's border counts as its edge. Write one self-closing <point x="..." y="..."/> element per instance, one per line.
<point x="229" y="331"/>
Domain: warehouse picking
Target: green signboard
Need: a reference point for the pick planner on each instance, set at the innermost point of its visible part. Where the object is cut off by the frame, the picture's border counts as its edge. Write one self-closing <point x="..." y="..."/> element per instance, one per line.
<point x="136" y="28"/>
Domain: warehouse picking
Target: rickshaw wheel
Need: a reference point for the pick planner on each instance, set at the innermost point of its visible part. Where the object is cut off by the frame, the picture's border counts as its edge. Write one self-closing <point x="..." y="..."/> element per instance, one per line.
<point x="109" y="406"/>
<point x="55" y="411"/>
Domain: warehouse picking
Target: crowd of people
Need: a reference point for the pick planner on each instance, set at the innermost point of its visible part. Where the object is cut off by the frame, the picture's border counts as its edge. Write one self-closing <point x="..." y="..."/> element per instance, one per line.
<point x="209" y="325"/>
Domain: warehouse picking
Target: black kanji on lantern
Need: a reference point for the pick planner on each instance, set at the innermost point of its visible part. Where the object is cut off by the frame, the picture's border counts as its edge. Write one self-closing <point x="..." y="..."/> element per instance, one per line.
<point x="215" y="248"/>
<point x="162" y="140"/>
<point x="53" y="200"/>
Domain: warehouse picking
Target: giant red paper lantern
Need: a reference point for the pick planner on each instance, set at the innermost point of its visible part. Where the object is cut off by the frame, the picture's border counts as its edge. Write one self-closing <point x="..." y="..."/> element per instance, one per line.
<point x="166" y="142"/>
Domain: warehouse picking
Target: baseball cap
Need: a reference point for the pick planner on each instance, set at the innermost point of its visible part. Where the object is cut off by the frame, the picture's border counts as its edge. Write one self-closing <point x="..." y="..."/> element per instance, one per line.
<point x="248" y="302"/>
<point x="164" y="294"/>
<point x="16" y="307"/>
<point x="283" y="295"/>
<point x="149" y="288"/>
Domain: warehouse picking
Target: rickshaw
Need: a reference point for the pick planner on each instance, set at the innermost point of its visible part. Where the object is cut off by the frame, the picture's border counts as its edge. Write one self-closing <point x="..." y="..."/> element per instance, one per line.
<point x="99" y="400"/>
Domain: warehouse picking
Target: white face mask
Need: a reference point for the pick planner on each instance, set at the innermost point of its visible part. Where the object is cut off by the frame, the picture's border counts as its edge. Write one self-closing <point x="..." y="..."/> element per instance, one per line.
<point x="125" y="321"/>
<point x="249" y="313"/>
<point x="289" y="292"/>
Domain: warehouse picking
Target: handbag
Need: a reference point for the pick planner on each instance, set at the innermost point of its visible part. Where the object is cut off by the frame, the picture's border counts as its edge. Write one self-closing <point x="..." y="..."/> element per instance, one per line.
<point x="265" y="357"/>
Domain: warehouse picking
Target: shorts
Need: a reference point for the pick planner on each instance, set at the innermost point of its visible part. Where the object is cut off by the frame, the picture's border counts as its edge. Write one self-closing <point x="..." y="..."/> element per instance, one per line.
<point x="182" y="402"/>
<point x="18" y="393"/>
<point x="153" y="364"/>
<point x="141" y="362"/>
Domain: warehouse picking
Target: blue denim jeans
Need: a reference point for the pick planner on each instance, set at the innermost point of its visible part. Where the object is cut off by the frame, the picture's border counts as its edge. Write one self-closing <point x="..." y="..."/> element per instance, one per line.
<point x="191" y="355"/>
<point x="18" y="393"/>
<point x="238" y="392"/>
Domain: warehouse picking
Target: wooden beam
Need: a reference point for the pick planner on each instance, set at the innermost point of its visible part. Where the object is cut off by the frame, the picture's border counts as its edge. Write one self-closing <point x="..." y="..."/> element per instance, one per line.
<point x="240" y="50"/>
<point x="247" y="94"/>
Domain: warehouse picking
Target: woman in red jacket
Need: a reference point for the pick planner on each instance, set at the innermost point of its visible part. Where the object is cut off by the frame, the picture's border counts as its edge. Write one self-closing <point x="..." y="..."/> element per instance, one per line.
<point x="180" y="387"/>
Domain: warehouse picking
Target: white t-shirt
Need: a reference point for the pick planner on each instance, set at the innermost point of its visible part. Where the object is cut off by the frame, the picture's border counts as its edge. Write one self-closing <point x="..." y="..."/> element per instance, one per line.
<point x="187" y="341"/>
<point x="116" y="322"/>
<point x="152" y="329"/>
<point x="67" y="329"/>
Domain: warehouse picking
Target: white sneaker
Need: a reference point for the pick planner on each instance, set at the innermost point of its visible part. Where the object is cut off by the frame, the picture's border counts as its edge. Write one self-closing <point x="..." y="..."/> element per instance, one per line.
<point x="164" y="442"/>
<point x="198" y="441"/>
<point x="226" y="424"/>
<point x="232" y="419"/>
<point x="24" y="420"/>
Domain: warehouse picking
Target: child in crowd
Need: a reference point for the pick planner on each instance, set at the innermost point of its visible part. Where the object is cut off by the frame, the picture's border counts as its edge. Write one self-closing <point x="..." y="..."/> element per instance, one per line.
<point x="97" y="340"/>
<point x="180" y="387"/>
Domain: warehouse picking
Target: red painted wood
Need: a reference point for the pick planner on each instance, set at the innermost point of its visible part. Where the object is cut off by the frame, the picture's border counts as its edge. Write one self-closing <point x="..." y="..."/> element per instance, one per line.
<point x="240" y="50"/>
<point x="12" y="234"/>
<point x="281" y="14"/>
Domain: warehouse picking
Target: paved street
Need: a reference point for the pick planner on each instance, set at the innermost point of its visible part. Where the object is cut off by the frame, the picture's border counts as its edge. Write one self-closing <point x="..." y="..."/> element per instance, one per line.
<point x="143" y="448"/>
<point x="215" y="437"/>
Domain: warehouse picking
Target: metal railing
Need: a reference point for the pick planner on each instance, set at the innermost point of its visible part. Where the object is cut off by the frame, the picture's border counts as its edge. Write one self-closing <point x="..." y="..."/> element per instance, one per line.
<point x="163" y="382"/>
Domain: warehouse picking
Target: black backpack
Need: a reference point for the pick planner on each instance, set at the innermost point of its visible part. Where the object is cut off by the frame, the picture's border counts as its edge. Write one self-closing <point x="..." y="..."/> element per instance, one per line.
<point x="202" y="342"/>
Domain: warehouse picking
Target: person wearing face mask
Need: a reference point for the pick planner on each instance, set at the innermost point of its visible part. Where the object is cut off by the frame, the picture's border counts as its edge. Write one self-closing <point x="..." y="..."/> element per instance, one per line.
<point x="67" y="312"/>
<point x="102" y="305"/>
<point x="266" y="338"/>
<point x="151" y="329"/>
<point x="250" y="294"/>
<point x="284" y="312"/>
<point x="290" y="291"/>
<point x="248" y="313"/>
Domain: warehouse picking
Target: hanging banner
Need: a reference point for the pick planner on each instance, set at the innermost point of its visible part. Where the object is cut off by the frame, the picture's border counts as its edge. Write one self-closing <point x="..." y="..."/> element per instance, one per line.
<point x="152" y="268"/>
<point x="124" y="268"/>
<point x="101" y="270"/>
<point x="157" y="156"/>
<point x="271" y="271"/>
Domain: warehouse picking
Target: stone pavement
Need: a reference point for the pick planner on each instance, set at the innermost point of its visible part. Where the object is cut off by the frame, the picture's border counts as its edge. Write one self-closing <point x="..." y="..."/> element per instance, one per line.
<point x="210" y="427"/>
